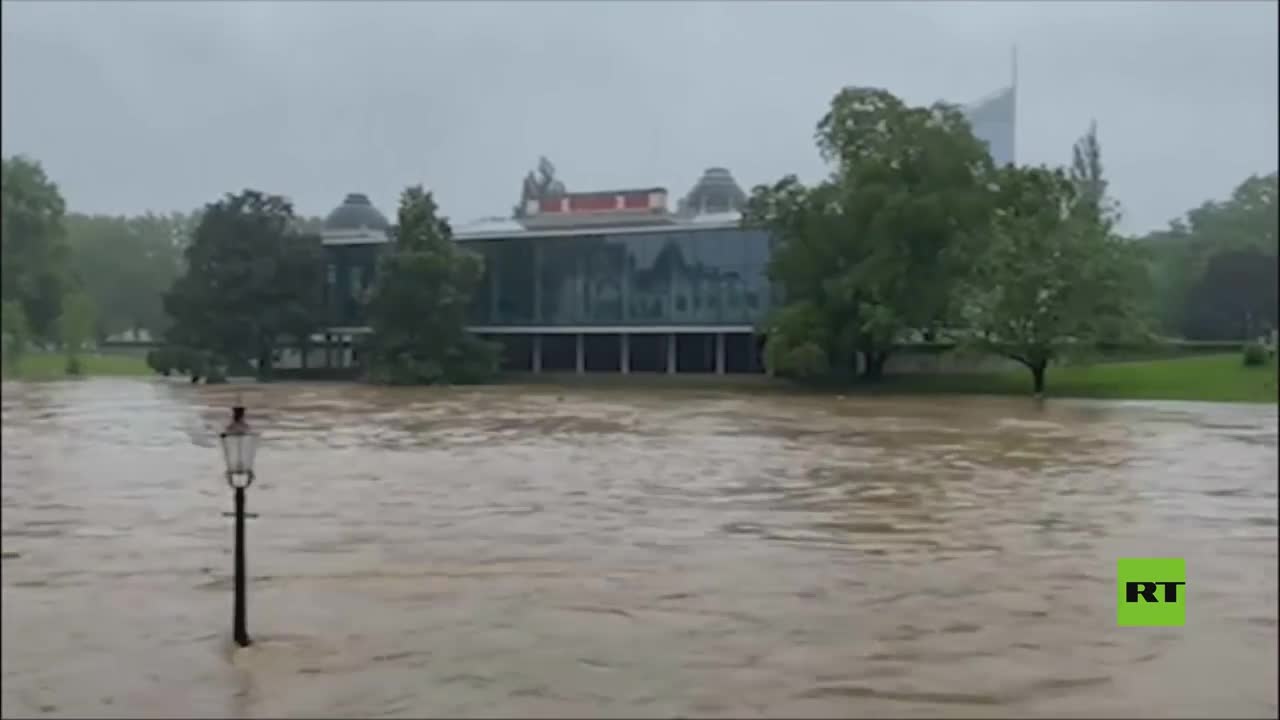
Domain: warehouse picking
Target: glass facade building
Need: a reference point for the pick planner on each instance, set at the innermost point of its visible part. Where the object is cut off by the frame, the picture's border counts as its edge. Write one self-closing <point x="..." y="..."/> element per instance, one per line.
<point x="660" y="276"/>
<point x="605" y="281"/>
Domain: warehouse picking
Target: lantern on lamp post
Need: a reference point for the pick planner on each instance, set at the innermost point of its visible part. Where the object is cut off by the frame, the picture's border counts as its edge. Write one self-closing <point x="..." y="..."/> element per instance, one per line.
<point x="239" y="443"/>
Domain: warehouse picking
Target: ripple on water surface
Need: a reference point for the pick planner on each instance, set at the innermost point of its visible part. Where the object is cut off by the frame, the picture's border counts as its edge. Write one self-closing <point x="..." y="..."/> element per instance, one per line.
<point x="536" y="551"/>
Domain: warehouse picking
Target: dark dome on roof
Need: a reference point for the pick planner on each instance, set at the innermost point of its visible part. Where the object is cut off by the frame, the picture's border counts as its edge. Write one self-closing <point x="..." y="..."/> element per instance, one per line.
<point x="356" y="213"/>
<point x="715" y="191"/>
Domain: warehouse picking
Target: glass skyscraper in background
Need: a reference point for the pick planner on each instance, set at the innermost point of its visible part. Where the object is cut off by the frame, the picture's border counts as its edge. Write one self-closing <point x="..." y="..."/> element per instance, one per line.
<point x="994" y="121"/>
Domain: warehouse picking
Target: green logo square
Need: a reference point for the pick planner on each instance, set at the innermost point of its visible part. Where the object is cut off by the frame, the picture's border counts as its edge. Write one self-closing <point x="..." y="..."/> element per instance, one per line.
<point x="1151" y="592"/>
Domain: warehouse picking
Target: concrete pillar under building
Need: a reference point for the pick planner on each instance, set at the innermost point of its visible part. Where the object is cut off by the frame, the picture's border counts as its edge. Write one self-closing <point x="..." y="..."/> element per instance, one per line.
<point x="624" y="361"/>
<point x="537" y="353"/>
<point x="581" y="356"/>
<point x="719" y="353"/>
<point x="671" y="353"/>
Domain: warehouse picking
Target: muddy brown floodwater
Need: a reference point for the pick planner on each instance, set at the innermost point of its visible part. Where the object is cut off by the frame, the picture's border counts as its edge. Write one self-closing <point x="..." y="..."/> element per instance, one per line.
<point x="631" y="552"/>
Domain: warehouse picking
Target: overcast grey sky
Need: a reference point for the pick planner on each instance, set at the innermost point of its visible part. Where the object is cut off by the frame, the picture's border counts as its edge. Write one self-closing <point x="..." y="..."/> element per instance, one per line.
<point x="166" y="105"/>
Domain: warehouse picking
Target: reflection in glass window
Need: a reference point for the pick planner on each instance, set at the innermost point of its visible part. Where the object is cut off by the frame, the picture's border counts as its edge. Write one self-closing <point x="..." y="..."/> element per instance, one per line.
<point x="484" y="300"/>
<point x="514" y="280"/>
<point x="558" y="277"/>
<point x="603" y="264"/>
<point x="671" y="277"/>
<point x="647" y="282"/>
<point x="733" y="293"/>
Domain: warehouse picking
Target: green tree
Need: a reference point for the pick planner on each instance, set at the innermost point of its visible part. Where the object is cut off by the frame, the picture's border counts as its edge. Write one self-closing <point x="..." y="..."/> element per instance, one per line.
<point x="197" y="364"/>
<point x="250" y="282"/>
<point x="1247" y="219"/>
<point x="1235" y="298"/>
<point x="310" y="225"/>
<point x="33" y="250"/>
<point x="877" y="248"/>
<point x="418" y="305"/>
<point x="1179" y="256"/>
<point x="1090" y="184"/>
<point x="13" y="326"/>
<point x="126" y="264"/>
<point x="75" y="328"/>
<point x="1052" y="279"/>
<point x="1169" y="257"/>
<point x="798" y="342"/>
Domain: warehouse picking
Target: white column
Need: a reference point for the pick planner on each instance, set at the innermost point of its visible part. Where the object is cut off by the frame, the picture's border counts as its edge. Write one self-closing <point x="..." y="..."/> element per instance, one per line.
<point x="671" y="353"/>
<point x="582" y="364"/>
<point x="537" y="353"/>
<point x="719" y="353"/>
<point x="624" y="362"/>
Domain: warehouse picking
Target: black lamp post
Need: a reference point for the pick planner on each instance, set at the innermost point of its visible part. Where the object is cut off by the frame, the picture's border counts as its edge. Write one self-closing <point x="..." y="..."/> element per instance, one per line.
<point x="238" y="446"/>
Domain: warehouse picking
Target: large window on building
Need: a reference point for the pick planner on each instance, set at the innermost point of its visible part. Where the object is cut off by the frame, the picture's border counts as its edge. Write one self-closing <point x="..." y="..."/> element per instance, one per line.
<point x="513" y="289"/>
<point x="685" y="276"/>
<point x="558" y="271"/>
<point x="349" y="274"/>
<point x="603" y="266"/>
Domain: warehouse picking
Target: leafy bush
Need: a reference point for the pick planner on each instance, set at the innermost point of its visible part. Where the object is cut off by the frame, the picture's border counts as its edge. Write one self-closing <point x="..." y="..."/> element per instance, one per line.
<point x="197" y="364"/>
<point x="797" y="342"/>
<point x="16" y="332"/>
<point x="803" y="361"/>
<point x="161" y="360"/>
<point x="472" y="361"/>
<point x="1255" y="354"/>
<point x="405" y="369"/>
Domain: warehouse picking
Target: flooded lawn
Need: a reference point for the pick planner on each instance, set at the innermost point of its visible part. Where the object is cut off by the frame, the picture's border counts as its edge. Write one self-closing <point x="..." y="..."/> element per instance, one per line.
<point x="619" y="553"/>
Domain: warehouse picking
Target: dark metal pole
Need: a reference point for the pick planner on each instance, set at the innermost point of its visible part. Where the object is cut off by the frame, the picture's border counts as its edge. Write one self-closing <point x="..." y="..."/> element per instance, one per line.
<point x="239" y="630"/>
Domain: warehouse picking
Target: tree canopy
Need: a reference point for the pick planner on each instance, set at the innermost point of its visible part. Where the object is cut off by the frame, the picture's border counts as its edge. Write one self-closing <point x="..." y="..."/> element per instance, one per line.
<point x="917" y="235"/>
<point x="874" y="251"/>
<point x="1235" y="297"/>
<point x="126" y="264"/>
<point x="418" y="305"/>
<point x="33" y="251"/>
<point x="1193" y="304"/>
<point x="1052" y="278"/>
<point x="14" y="331"/>
<point x="251" y="281"/>
<point x="75" y="327"/>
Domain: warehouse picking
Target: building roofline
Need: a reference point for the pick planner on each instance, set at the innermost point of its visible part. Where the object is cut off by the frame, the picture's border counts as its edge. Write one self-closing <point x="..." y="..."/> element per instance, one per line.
<point x="598" y="230"/>
<point x="988" y="98"/>
<point x="609" y="193"/>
